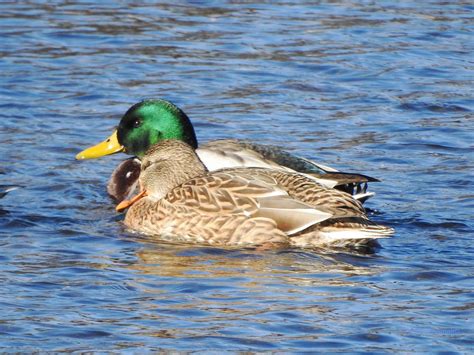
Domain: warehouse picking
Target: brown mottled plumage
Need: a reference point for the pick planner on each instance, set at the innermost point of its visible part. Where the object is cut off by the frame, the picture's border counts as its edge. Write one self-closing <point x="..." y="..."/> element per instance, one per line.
<point x="242" y="206"/>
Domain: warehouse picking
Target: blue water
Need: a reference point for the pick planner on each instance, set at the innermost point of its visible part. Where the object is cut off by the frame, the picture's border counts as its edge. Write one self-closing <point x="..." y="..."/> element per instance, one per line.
<point x="382" y="88"/>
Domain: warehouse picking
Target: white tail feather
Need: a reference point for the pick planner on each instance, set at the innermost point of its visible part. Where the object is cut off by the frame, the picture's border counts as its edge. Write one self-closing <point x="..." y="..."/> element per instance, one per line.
<point x="363" y="196"/>
<point x="342" y="237"/>
<point x="354" y="234"/>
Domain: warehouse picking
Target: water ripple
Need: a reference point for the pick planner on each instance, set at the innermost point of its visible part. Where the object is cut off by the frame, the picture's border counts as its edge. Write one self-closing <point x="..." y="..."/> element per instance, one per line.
<point x="382" y="89"/>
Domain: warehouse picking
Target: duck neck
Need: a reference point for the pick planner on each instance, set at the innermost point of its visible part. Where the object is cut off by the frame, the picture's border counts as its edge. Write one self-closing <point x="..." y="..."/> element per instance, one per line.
<point x="167" y="174"/>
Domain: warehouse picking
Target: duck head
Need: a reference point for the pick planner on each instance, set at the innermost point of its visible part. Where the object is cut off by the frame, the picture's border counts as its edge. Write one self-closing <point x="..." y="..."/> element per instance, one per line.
<point x="165" y="166"/>
<point x="143" y="125"/>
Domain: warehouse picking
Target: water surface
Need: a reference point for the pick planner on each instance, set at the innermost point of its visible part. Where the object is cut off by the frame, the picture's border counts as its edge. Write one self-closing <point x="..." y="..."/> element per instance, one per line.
<point x="381" y="88"/>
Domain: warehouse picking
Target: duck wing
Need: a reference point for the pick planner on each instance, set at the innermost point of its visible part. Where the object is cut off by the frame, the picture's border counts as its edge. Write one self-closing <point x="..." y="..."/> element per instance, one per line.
<point x="302" y="188"/>
<point x="229" y="153"/>
<point x="238" y="192"/>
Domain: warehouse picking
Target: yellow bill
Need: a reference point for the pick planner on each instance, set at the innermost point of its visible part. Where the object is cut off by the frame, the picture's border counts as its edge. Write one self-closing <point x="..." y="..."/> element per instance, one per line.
<point x="110" y="146"/>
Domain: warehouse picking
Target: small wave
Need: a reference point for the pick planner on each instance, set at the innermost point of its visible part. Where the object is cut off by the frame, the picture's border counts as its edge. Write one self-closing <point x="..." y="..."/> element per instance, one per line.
<point x="424" y="106"/>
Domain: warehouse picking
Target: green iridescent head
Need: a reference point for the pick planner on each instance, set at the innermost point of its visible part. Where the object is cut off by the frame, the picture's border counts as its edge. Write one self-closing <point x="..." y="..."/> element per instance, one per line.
<point x="143" y="125"/>
<point x="151" y="121"/>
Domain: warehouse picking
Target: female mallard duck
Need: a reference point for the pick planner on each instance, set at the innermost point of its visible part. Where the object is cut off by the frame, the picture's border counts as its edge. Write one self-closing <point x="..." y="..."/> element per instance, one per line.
<point x="181" y="200"/>
<point x="151" y="121"/>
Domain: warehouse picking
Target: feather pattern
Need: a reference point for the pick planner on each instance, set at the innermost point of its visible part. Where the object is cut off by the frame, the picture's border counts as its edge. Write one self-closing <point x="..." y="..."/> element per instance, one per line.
<point x="242" y="206"/>
<point x="229" y="153"/>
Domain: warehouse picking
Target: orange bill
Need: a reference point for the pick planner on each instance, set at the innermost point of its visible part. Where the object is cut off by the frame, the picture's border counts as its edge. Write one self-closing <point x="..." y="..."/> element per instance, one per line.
<point x="127" y="203"/>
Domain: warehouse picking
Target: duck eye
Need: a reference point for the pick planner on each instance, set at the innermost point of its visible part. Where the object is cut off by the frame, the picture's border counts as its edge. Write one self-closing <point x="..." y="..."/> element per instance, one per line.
<point x="137" y="123"/>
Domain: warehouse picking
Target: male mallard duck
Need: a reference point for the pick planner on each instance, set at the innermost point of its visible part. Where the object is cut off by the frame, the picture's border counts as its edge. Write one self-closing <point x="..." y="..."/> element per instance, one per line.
<point x="152" y="121"/>
<point x="184" y="202"/>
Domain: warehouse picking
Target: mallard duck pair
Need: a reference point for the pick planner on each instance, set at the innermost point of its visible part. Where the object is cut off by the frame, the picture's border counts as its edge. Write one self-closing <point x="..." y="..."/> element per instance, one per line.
<point x="151" y="121"/>
<point x="253" y="195"/>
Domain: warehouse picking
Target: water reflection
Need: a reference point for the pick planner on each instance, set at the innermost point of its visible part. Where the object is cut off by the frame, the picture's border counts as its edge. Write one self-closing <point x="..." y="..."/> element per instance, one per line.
<point x="247" y="292"/>
<point x="292" y="267"/>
